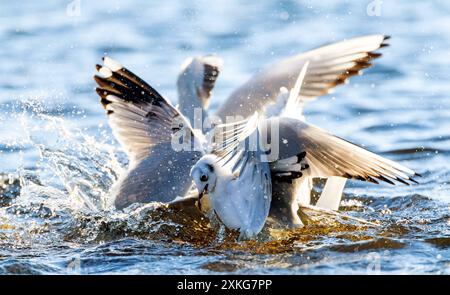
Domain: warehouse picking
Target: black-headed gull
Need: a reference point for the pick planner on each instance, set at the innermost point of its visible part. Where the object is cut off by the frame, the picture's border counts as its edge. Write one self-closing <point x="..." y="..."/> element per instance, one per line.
<point x="239" y="190"/>
<point x="146" y="125"/>
<point x="303" y="151"/>
<point x="329" y="66"/>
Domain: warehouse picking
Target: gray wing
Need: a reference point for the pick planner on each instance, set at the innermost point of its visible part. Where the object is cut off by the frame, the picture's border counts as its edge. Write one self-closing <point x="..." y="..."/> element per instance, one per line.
<point x="328" y="155"/>
<point x="195" y="83"/>
<point x="157" y="138"/>
<point x="230" y="141"/>
<point x="255" y="180"/>
<point x="329" y="66"/>
<point x="248" y="162"/>
<point x="163" y="176"/>
<point x="201" y="71"/>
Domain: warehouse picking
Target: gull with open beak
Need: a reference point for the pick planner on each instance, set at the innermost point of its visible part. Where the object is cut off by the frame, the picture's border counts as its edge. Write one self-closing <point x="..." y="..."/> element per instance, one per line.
<point x="241" y="197"/>
<point x="146" y="124"/>
<point x="238" y="186"/>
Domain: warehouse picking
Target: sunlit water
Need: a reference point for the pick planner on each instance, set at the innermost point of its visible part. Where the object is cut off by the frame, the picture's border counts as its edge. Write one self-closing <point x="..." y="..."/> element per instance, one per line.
<point x="55" y="139"/>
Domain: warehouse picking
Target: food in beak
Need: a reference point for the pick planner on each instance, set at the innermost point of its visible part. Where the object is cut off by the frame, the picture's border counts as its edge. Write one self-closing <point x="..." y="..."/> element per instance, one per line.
<point x="200" y="196"/>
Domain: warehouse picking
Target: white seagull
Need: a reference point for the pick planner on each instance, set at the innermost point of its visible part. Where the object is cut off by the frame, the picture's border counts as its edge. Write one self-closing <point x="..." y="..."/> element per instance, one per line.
<point x="329" y="66"/>
<point x="239" y="186"/>
<point x="304" y="152"/>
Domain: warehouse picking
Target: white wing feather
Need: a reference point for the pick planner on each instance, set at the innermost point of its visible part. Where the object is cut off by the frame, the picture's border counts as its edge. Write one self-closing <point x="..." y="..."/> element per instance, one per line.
<point x="253" y="183"/>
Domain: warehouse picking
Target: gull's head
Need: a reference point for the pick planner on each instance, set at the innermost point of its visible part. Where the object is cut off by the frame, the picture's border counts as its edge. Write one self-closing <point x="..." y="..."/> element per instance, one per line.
<point x="204" y="174"/>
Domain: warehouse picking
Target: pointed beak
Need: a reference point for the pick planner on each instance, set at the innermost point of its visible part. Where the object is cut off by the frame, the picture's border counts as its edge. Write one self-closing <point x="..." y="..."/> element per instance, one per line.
<point x="200" y="196"/>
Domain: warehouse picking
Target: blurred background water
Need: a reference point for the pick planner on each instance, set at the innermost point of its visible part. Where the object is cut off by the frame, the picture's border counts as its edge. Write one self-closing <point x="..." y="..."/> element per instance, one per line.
<point x="55" y="139"/>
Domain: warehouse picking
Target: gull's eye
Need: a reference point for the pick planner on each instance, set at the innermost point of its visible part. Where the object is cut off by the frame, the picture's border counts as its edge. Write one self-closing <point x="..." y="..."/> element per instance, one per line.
<point x="204" y="177"/>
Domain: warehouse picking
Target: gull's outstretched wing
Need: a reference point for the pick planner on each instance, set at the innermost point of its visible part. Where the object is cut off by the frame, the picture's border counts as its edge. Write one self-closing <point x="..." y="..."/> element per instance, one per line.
<point x="203" y="72"/>
<point x="238" y="148"/>
<point x="195" y="83"/>
<point x="139" y="116"/>
<point x="289" y="103"/>
<point x="158" y="139"/>
<point x="330" y="66"/>
<point x="328" y="155"/>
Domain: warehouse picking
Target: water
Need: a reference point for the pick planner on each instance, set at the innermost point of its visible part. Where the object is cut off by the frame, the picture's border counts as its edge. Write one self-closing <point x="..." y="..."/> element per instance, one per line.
<point x="54" y="136"/>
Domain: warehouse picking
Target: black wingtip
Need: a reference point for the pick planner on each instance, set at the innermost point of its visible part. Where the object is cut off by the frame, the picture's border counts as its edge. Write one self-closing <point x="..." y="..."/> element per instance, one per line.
<point x="104" y="102"/>
<point x="402" y="181"/>
<point x="384" y="42"/>
<point x="370" y="179"/>
<point x="381" y="177"/>
<point x="413" y="180"/>
<point x="373" y="55"/>
<point x="363" y="64"/>
<point x="101" y="81"/>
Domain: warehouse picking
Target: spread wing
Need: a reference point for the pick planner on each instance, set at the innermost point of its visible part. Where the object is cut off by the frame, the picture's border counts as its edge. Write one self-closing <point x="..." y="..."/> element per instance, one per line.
<point x="139" y="116"/>
<point x="328" y="155"/>
<point x="294" y="103"/>
<point x="202" y="72"/>
<point x="158" y="139"/>
<point x="329" y="66"/>
<point x="195" y="83"/>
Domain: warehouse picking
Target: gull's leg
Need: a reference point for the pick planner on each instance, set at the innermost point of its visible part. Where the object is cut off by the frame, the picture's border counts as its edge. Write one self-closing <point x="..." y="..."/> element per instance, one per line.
<point x="288" y="177"/>
<point x="284" y="206"/>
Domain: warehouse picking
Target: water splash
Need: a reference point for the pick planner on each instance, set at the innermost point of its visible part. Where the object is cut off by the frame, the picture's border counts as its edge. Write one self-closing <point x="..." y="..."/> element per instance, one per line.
<point x="82" y="166"/>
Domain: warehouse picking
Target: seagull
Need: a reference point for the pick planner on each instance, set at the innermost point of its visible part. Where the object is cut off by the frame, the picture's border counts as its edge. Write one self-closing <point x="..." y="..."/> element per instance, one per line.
<point x="146" y="125"/>
<point x="303" y="151"/>
<point x="155" y="171"/>
<point x="290" y="104"/>
<point x="286" y="191"/>
<point x="239" y="192"/>
<point x="329" y="66"/>
<point x="150" y="128"/>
